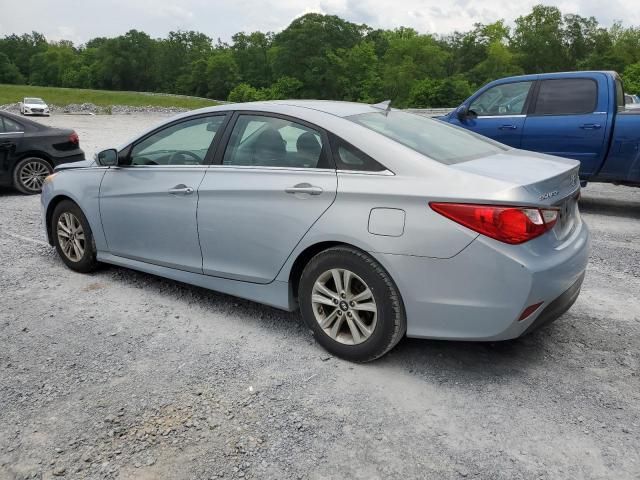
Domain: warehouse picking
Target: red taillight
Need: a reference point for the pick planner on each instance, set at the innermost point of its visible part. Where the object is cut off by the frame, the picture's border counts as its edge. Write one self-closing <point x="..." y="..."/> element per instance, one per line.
<point x="74" y="138"/>
<point x="508" y="224"/>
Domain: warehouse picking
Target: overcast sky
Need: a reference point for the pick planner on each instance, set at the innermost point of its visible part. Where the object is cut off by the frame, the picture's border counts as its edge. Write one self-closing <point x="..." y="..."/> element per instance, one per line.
<point x="80" y="20"/>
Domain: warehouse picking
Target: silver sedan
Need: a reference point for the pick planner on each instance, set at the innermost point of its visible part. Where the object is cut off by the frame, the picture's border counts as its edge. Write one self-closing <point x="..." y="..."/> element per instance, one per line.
<point x="375" y="223"/>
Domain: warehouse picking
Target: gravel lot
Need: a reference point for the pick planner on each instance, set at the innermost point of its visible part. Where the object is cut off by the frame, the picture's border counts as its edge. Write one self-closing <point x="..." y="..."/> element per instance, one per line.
<point x="124" y="375"/>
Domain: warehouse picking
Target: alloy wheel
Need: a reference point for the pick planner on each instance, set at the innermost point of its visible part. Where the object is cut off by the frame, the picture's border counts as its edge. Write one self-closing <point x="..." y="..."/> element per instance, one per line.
<point x="344" y="306"/>
<point x="32" y="175"/>
<point x="71" y="236"/>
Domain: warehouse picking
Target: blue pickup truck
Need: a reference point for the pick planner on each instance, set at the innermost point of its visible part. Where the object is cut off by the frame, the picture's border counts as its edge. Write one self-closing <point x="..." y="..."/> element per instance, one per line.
<point x="579" y="115"/>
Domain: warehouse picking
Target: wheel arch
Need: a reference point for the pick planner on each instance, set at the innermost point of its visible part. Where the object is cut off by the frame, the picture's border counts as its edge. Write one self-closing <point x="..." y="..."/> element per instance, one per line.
<point x="35" y="154"/>
<point x="53" y="203"/>
<point x="303" y="258"/>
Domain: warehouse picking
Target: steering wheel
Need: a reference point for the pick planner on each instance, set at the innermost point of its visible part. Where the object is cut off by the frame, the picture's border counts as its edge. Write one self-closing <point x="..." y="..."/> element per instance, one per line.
<point x="175" y="160"/>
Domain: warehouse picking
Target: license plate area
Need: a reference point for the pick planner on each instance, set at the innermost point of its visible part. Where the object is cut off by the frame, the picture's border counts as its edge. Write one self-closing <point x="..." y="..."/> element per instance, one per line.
<point x="566" y="216"/>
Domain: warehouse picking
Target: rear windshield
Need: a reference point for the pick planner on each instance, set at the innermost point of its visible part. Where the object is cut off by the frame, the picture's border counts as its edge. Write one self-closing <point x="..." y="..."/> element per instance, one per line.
<point x="435" y="139"/>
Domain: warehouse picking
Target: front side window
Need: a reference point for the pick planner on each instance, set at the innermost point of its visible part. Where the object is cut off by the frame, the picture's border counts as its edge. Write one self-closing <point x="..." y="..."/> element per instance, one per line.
<point x="263" y="141"/>
<point x="185" y="143"/>
<point x="566" y="96"/>
<point x="435" y="139"/>
<point x="506" y="99"/>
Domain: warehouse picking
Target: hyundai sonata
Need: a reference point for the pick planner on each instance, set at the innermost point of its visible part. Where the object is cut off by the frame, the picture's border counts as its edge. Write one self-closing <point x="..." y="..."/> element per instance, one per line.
<point x="374" y="222"/>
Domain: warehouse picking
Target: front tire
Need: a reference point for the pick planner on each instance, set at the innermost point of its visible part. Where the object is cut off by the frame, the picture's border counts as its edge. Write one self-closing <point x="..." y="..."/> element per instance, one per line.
<point x="351" y="304"/>
<point x="29" y="175"/>
<point x="73" y="238"/>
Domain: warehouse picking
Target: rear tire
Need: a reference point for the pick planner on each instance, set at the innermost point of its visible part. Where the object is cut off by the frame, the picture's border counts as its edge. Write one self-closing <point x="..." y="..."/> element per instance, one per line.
<point x="351" y="304"/>
<point x="29" y="174"/>
<point x="73" y="238"/>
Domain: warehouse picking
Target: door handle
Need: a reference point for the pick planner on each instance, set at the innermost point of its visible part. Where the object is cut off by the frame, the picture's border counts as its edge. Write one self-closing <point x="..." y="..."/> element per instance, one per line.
<point x="6" y="144"/>
<point x="304" y="188"/>
<point x="181" y="189"/>
<point x="590" y="126"/>
<point x="508" y="127"/>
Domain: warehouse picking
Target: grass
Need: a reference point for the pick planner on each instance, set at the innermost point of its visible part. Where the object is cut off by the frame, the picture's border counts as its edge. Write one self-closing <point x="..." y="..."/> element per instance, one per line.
<point x="103" y="98"/>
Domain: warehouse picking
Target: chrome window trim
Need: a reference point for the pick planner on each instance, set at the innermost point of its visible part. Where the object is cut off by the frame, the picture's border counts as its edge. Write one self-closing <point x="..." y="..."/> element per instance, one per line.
<point x="10" y="133"/>
<point x="155" y="167"/>
<point x="275" y="169"/>
<point x="384" y="173"/>
<point x="502" y="116"/>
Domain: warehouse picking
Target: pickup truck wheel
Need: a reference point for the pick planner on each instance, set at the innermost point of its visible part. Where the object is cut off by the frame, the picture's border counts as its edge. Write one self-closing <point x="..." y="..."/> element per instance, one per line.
<point x="29" y="175"/>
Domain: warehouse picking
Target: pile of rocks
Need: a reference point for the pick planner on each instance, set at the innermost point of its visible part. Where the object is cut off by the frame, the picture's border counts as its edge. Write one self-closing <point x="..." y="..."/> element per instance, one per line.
<point x="92" y="109"/>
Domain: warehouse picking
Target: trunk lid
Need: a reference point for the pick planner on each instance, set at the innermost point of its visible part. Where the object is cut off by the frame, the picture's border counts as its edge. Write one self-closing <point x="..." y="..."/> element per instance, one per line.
<point x="539" y="180"/>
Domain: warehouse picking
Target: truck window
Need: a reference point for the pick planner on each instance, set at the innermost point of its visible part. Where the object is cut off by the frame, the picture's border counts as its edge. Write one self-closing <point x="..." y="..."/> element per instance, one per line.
<point x="620" y="96"/>
<point x="505" y="99"/>
<point x="566" y="96"/>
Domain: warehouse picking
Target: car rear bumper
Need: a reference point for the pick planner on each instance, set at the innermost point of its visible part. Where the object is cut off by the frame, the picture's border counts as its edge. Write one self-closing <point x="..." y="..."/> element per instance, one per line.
<point x="481" y="293"/>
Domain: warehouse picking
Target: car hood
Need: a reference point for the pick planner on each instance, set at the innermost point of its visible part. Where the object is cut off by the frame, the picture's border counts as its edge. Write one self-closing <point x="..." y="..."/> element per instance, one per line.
<point x="81" y="164"/>
<point x="545" y="177"/>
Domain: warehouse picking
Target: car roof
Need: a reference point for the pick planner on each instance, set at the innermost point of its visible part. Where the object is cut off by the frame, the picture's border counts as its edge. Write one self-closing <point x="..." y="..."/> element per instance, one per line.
<point x="332" y="107"/>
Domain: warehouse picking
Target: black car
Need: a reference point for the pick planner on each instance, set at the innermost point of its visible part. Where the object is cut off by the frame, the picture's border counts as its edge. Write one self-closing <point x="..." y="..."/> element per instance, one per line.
<point x="29" y="151"/>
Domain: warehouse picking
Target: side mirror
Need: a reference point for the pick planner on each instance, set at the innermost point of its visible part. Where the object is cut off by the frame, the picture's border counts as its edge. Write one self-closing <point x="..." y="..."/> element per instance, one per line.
<point x="108" y="158"/>
<point x="464" y="113"/>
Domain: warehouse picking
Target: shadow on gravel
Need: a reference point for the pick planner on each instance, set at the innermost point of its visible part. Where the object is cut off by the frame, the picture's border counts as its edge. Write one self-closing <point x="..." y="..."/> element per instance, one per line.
<point x="9" y="192"/>
<point x="608" y="206"/>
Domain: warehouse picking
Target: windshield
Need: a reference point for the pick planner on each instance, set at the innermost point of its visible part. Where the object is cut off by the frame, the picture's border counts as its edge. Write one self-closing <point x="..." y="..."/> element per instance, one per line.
<point x="435" y="139"/>
<point x="34" y="100"/>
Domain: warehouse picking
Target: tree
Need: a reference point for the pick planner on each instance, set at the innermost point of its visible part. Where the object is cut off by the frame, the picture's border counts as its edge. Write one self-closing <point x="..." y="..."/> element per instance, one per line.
<point x="251" y="54"/>
<point x="631" y="78"/>
<point x="431" y="93"/>
<point x="9" y="73"/>
<point x="500" y="62"/>
<point x="538" y="38"/>
<point x="410" y="58"/>
<point x="300" y="51"/>
<point x="222" y="74"/>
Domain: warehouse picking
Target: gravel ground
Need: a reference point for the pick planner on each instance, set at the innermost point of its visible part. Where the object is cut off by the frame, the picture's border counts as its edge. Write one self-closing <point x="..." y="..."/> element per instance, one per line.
<point x="124" y="375"/>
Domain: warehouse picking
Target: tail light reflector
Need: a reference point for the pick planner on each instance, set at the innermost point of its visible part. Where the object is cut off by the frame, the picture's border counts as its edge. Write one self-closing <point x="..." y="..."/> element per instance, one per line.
<point x="529" y="310"/>
<point x="513" y="225"/>
<point x="74" y="138"/>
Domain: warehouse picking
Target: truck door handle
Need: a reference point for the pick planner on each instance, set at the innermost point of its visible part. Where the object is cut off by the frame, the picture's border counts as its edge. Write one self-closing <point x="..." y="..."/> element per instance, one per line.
<point x="181" y="189"/>
<point x="590" y="126"/>
<point x="6" y="144"/>
<point x="508" y="127"/>
<point x="304" y="188"/>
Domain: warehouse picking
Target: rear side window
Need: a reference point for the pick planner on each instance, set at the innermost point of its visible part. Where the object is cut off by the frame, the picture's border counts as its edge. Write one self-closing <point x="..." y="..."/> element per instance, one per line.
<point x="566" y="96"/>
<point x="8" y="126"/>
<point x="349" y="157"/>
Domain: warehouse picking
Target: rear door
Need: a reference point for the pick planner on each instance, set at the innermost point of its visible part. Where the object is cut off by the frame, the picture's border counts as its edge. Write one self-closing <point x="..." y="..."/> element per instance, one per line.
<point x="568" y="118"/>
<point x="148" y="206"/>
<point x="272" y="182"/>
<point x="11" y="134"/>
<point x="500" y="112"/>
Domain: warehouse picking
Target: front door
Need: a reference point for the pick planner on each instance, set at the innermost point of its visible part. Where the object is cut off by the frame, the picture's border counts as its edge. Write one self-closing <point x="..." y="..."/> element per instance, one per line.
<point x="501" y="111"/>
<point x="273" y="182"/>
<point x="148" y="204"/>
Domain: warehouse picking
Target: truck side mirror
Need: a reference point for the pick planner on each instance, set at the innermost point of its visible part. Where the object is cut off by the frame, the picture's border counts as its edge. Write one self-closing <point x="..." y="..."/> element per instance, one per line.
<point x="463" y="113"/>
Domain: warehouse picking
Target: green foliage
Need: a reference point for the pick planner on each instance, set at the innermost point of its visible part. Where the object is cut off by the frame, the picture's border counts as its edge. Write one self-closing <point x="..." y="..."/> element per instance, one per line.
<point x="631" y="78"/>
<point x="434" y="93"/>
<point x="9" y="73"/>
<point x="326" y="57"/>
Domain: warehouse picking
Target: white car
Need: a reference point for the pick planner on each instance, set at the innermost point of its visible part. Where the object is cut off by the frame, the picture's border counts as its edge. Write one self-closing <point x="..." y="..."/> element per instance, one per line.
<point x="33" y="106"/>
